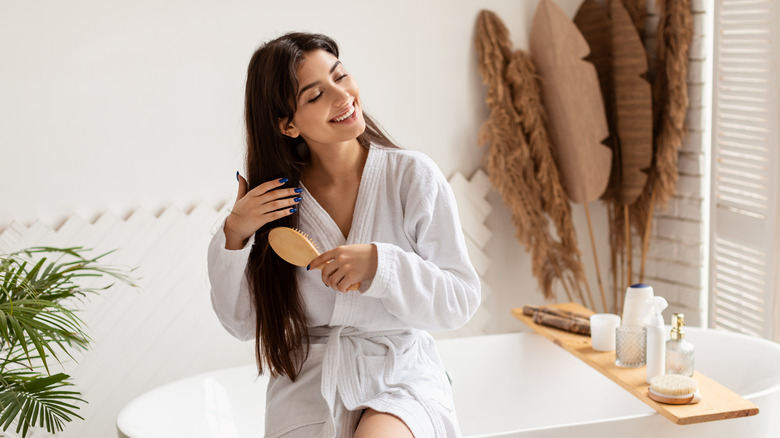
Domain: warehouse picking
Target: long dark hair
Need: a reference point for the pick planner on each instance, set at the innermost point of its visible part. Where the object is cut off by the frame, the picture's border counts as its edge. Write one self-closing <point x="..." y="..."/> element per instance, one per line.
<point x="281" y="340"/>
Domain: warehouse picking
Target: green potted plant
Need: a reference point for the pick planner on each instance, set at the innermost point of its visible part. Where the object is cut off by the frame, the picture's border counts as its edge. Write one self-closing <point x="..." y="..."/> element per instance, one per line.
<point x="38" y="287"/>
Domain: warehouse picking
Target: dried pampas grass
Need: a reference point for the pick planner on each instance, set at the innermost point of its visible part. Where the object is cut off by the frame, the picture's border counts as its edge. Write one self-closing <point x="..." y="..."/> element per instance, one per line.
<point x="670" y="104"/>
<point x="520" y="163"/>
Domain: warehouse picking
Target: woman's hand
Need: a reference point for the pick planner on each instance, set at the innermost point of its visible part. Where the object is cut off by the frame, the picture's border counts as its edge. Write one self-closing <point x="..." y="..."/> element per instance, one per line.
<point x="256" y="208"/>
<point x="346" y="265"/>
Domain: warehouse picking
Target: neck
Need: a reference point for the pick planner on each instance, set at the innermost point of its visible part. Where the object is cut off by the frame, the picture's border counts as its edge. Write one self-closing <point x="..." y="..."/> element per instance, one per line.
<point x="336" y="164"/>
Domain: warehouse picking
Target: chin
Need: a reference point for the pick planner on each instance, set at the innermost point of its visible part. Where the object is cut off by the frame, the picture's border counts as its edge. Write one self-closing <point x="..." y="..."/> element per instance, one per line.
<point x="361" y="128"/>
<point x="358" y="128"/>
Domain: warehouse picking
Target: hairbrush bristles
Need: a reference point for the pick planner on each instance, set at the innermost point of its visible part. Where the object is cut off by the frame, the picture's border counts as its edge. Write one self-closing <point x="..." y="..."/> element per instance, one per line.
<point x="317" y="247"/>
<point x="297" y="248"/>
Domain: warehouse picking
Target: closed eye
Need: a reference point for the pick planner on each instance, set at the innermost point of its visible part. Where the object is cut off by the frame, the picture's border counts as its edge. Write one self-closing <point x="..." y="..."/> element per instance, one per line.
<point x="315" y="98"/>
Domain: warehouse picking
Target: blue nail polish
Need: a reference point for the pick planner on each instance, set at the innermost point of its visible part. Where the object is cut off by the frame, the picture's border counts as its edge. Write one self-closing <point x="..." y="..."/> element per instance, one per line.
<point x="298" y="190"/>
<point x="308" y="267"/>
<point x="237" y="176"/>
<point x="293" y="210"/>
<point x="297" y="200"/>
<point x="283" y="180"/>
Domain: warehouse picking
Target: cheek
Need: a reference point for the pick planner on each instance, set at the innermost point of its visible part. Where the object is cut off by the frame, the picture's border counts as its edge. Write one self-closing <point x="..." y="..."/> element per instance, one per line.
<point x="303" y="118"/>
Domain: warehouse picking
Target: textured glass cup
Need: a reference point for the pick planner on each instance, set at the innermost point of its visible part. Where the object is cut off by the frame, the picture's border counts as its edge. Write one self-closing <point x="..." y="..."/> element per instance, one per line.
<point x="630" y="346"/>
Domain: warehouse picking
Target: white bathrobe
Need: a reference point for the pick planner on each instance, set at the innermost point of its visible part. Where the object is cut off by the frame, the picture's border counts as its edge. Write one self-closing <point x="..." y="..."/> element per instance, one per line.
<point x="370" y="349"/>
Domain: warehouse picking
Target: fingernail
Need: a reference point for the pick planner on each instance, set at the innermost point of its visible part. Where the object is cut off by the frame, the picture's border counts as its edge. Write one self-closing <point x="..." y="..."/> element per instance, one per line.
<point x="298" y="190"/>
<point x="293" y="210"/>
<point x="308" y="266"/>
<point x="283" y="180"/>
<point x="237" y="176"/>
<point x="297" y="200"/>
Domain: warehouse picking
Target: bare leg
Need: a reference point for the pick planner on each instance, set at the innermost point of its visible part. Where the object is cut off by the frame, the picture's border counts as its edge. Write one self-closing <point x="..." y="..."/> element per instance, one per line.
<point x="375" y="424"/>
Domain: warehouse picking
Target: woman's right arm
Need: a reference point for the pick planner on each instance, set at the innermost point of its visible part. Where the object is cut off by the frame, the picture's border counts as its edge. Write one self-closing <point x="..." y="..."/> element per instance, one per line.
<point x="229" y="289"/>
<point x="230" y="247"/>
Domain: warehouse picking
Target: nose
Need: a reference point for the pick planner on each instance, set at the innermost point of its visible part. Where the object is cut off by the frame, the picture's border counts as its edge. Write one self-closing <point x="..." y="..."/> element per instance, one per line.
<point x="342" y="97"/>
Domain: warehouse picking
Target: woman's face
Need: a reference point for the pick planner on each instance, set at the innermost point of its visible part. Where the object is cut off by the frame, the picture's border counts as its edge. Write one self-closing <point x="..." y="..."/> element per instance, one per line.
<point x="328" y="99"/>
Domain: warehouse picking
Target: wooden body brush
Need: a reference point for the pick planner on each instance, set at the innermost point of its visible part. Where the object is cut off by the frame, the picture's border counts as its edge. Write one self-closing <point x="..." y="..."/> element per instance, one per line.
<point x="296" y="248"/>
<point x="674" y="389"/>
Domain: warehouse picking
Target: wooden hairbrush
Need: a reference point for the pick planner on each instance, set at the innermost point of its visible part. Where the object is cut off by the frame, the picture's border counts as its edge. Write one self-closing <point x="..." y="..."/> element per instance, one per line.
<point x="296" y="248"/>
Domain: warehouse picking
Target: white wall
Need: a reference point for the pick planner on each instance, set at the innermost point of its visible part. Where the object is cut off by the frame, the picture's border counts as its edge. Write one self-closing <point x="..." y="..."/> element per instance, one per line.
<point x="116" y="105"/>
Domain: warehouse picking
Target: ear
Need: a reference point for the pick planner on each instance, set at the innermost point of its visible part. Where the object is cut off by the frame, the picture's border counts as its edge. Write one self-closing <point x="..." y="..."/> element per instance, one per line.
<point x="288" y="129"/>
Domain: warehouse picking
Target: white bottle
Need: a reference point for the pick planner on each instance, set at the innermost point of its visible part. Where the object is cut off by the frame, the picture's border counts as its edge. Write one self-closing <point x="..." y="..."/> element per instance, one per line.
<point x="637" y="297"/>
<point x="656" y="337"/>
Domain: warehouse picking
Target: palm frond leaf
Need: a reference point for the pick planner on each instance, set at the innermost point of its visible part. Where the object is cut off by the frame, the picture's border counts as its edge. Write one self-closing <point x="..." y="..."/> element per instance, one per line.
<point x="36" y="324"/>
<point x="37" y="400"/>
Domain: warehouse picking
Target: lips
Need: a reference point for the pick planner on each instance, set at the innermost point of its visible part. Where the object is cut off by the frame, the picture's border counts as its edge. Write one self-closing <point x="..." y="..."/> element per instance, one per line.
<point x="345" y="115"/>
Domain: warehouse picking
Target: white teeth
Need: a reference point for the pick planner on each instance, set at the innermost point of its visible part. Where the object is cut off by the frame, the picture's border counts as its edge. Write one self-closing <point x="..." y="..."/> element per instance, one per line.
<point x="345" y="116"/>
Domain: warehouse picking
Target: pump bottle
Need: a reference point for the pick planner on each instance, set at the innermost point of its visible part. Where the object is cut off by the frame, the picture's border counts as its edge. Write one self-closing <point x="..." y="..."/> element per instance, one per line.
<point x="656" y="338"/>
<point x="679" y="352"/>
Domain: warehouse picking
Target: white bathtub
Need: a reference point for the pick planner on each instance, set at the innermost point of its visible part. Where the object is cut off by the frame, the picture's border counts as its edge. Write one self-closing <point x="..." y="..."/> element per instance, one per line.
<point x="514" y="385"/>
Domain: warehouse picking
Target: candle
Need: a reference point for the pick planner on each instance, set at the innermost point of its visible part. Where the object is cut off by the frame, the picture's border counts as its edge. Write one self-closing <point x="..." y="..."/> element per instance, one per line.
<point x="602" y="331"/>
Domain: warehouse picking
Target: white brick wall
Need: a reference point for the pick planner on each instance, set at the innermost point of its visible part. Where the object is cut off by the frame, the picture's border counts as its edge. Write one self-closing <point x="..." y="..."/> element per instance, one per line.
<point x="676" y="258"/>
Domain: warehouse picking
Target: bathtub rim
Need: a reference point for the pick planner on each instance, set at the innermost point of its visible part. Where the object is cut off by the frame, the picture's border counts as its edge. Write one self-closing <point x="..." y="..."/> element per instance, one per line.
<point x="757" y="340"/>
<point x="697" y="330"/>
<point x="689" y="329"/>
<point x="120" y="419"/>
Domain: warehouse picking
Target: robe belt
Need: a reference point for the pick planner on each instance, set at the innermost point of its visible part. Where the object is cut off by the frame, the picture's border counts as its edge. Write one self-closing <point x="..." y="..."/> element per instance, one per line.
<point x="340" y="371"/>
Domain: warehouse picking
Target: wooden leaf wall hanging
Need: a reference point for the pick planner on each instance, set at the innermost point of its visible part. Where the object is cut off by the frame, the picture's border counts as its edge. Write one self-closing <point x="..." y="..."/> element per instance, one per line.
<point x="576" y="115"/>
<point x="637" y="10"/>
<point x="572" y="98"/>
<point x="519" y="160"/>
<point x="634" y="126"/>
<point x="621" y="62"/>
<point x="631" y="106"/>
<point x="592" y="19"/>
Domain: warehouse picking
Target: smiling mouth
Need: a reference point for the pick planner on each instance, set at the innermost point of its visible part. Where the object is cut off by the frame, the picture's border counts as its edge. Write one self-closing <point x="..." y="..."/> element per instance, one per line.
<point x="347" y="115"/>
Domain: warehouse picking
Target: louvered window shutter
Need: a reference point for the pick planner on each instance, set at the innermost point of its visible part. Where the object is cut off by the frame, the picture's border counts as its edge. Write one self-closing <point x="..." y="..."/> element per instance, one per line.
<point x="744" y="208"/>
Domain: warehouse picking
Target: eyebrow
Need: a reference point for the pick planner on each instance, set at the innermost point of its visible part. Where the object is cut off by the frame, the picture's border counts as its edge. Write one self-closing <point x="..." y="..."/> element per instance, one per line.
<point x="314" y="84"/>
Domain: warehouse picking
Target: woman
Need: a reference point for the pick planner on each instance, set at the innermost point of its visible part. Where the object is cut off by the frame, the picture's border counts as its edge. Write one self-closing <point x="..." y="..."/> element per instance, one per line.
<point x="342" y="363"/>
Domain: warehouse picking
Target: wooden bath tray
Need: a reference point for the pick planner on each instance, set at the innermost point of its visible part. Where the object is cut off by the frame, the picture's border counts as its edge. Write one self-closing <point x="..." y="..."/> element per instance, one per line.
<point x="718" y="402"/>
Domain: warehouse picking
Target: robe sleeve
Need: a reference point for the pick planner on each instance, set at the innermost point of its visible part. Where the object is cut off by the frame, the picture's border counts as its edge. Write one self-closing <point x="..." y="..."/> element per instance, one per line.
<point x="229" y="288"/>
<point x="434" y="287"/>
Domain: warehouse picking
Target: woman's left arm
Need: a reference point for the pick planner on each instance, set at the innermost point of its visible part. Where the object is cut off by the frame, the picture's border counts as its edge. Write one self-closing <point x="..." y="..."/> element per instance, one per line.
<point x="435" y="287"/>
